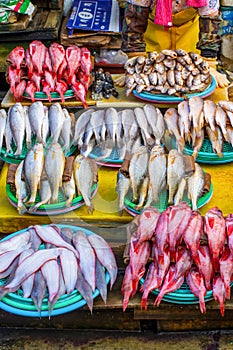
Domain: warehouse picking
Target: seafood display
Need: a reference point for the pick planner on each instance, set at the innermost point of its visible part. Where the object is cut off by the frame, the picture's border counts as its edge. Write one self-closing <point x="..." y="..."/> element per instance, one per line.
<point x="150" y="173"/>
<point x="124" y="130"/>
<point x="179" y="245"/>
<point x="196" y="119"/>
<point x="171" y="72"/>
<point x="38" y="123"/>
<point x="49" y="261"/>
<point x="102" y="85"/>
<point x="47" y="70"/>
<point x="41" y="179"/>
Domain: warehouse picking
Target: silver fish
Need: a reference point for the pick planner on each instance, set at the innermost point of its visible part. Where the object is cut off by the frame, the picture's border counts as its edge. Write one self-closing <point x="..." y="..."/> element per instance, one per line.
<point x="175" y="172"/>
<point x="97" y="120"/>
<point x="85" y="170"/>
<point x="226" y="105"/>
<point x="80" y="126"/>
<point x="195" y="185"/>
<point x="122" y="187"/>
<point x="111" y="121"/>
<point x="69" y="190"/>
<point x="56" y="120"/>
<point x="143" y="193"/>
<point x="17" y="125"/>
<point x="8" y="134"/>
<point x="45" y="126"/>
<point x="66" y="131"/>
<point x="3" y="118"/>
<point x="51" y="273"/>
<point x="171" y="119"/>
<point x="39" y="290"/>
<point x="215" y="138"/>
<point x="143" y="124"/>
<point x="54" y="166"/>
<point x="138" y="169"/>
<point x="32" y="168"/>
<point x="87" y="257"/>
<point x="69" y="266"/>
<point x="28" y="127"/>
<point x="36" y="119"/>
<point x="209" y="109"/>
<point x="198" y="143"/>
<point x="196" y="114"/>
<point x="45" y="195"/>
<point x="27" y="284"/>
<point x="221" y="121"/>
<point x="21" y="189"/>
<point x="157" y="168"/>
<point x="184" y="121"/>
<point x="180" y="191"/>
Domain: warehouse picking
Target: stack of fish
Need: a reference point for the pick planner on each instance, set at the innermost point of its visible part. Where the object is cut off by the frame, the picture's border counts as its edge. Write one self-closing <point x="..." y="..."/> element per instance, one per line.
<point x="22" y="123"/>
<point x="151" y="172"/>
<point x="125" y="130"/>
<point x="69" y="260"/>
<point x="172" y="72"/>
<point x="196" y="119"/>
<point x="52" y="69"/>
<point x="43" y="174"/>
<point x="171" y="243"/>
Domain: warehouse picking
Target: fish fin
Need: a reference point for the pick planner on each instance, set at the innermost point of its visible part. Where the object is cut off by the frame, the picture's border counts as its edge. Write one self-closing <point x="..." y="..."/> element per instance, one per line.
<point x="229" y="230"/>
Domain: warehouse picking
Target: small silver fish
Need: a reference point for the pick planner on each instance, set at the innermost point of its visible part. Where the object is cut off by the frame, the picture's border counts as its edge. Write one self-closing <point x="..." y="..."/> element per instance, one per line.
<point x="195" y="185"/>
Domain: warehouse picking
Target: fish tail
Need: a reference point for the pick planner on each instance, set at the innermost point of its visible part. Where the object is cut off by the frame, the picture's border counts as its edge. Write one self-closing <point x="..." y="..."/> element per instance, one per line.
<point x="222" y="309"/>
<point x="202" y="304"/>
<point x="228" y="291"/>
<point x="144" y="302"/>
<point x="158" y="300"/>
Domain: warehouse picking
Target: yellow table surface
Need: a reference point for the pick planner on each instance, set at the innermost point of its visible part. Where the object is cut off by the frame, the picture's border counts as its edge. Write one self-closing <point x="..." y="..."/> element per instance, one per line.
<point x="105" y="202"/>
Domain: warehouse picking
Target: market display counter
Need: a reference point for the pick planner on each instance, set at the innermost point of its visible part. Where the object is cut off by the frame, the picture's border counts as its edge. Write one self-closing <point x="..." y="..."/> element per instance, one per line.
<point x="166" y="317"/>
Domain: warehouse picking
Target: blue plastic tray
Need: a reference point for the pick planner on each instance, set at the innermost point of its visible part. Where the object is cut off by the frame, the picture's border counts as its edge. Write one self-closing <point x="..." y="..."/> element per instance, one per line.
<point x="163" y="98"/>
<point x="15" y="303"/>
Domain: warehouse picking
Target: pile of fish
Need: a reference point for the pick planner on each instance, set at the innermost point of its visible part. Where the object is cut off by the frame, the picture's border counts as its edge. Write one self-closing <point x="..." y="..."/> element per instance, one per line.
<point x="69" y="260"/>
<point x="151" y="172"/>
<point x="21" y="123"/>
<point x="172" y="72"/>
<point x="124" y="130"/>
<point x="179" y="245"/>
<point x="41" y="173"/>
<point x="102" y="85"/>
<point x="52" y="69"/>
<point x="196" y="119"/>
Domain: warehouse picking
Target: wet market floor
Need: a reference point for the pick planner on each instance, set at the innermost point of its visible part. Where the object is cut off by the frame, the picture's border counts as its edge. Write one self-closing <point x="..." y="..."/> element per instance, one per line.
<point x="27" y="339"/>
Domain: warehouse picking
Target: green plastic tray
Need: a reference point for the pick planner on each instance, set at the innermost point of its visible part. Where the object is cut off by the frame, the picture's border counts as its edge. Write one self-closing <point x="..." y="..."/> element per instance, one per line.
<point x="206" y="154"/>
<point x="52" y="209"/>
<point x="163" y="201"/>
<point x="12" y="159"/>
<point x="39" y="95"/>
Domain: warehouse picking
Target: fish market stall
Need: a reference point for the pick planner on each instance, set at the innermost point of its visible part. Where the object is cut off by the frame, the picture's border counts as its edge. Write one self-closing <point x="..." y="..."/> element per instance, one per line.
<point x="92" y="181"/>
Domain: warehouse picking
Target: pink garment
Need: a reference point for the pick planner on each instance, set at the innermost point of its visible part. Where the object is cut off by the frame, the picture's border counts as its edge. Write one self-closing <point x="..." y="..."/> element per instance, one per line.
<point x="163" y="14"/>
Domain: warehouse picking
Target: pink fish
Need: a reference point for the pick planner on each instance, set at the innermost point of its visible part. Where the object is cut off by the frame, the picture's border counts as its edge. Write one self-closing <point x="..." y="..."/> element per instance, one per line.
<point x="73" y="57"/>
<point x="19" y="90"/>
<point x="37" y="52"/>
<point x="50" y="78"/>
<point x="47" y="61"/>
<point x="183" y="261"/>
<point x="84" y="79"/>
<point x="147" y="224"/>
<point x="178" y="220"/>
<point x="229" y="230"/>
<point x="86" y="64"/>
<point x="62" y="71"/>
<point x="127" y="287"/>
<point x="226" y="269"/>
<point x="36" y="78"/>
<point x="215" y="229"/>
<point x="46" y="89"/>
<point x="170" y="284"/>
<point x="31" y="89"/>
<point x="205" y="266"/>
<point x="197" y="286"/>
<point x="17" y="56"/>
<point x="219" y="293"/>
<point x="61" y="87"/>
<point x="151" y="282"/>
<point x="57" y="55"/>
<point x="29" y="64"/>
<point x="80" y="92"/>
<point x="13" y="77"/>
<point x="192" y="233"/>
<point x="138" y="260"/>
<point x="69" y="266"/>
<point x="161" y="234"/>
<point x="51" y="273"/>
<point x="164" y="263"/>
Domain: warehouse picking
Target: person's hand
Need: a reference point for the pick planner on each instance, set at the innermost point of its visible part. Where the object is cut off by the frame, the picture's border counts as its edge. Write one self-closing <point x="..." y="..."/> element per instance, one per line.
<point x="221" y="79"/>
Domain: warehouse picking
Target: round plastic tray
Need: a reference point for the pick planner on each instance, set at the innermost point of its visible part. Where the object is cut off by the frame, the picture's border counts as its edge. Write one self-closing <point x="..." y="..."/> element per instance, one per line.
<point x="11" y="158"/>
<point x="39" y="95"/>
<point x="163" y="201"/>
<point x="163" y="98"/>
<point x="52" y="209"/>
<point x="207" y="156"/>
<point x="15" y="302"/>
<point x="183" y="295"/>
<point x="112" y="161"/>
